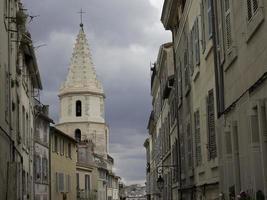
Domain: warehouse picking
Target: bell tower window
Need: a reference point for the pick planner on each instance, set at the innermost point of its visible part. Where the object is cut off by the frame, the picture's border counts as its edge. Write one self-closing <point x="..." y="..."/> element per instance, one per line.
<point x="78" y="135"/>
<point x="78" y="108"/>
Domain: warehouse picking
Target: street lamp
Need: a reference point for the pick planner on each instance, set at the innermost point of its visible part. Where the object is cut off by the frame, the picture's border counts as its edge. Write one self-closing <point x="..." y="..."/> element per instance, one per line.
<point x="160" y="183"/>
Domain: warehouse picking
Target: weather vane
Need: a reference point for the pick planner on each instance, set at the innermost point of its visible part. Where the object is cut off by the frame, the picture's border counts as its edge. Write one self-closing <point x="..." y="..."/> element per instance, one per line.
<point x="81" y="16"/>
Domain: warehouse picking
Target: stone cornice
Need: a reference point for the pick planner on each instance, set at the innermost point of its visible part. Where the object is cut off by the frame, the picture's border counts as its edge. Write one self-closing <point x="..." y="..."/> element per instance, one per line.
<point x="82" y="92"/>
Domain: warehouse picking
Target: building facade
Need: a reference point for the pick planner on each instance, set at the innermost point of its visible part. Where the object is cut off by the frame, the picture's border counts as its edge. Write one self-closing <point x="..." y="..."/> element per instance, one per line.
<point x="63" y="159"/>
<point x="133" y="192"/>
<point x="243" y="118"/>
<point x="20" y="83"/>
<point x="41" y="161"/>
<point x="219" y="58"/>
<point x="161" y="125"/>
<point x="86" y="171"/>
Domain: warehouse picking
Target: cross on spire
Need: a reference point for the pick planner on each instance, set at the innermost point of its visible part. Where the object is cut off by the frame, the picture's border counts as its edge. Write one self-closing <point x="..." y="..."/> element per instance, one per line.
<point x="81" y="16"/>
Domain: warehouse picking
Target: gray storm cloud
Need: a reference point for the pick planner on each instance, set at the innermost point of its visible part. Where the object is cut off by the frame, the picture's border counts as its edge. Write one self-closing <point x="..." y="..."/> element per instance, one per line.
<point x="124" y="37"/>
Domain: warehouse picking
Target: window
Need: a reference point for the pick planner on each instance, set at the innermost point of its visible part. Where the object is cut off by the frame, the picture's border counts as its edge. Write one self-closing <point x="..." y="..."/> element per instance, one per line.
<point x="189" y="146"/>
<point x="61" y="146"/>
<point x="56" y="144"/>
<point x="87" y="182"/>
<point x="67" y="184"/>
<point x="45" y="132"/>
<point x="27" y="130"/>
<point x="203" y="38"/>
<point x="23" y="126"/>
<point x="69" y="150"/>
<point x="45" y="169"/>
<point x="228" y="24"/>
<point x="175" y="160"/>
<point x="7" y="97"/>
<point x="24" y="183"/>
<point x="78" y="135"/>
<point x="186" y="71"/>
<point x="77" y="181"/>
<point x="37" y="167"/>
<point x="60" y="182"/>
<point x="212" y="149"/>
<point x="209" y="18"/>
<point x="252" y="8"/>
<point x="196" y="42"/>
<point x="228" y="142"/>
<point x="254" y="124"/>
<point x="78" y="108"/>
<point x="197" y="138"/>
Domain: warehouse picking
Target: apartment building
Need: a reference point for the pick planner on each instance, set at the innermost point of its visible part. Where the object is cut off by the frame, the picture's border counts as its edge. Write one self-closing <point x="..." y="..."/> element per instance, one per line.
<point x="63" y="158"/>
<point x="41" y="161"/>
<point x="160" y="125"/>
<point x="20" y="83"/>
<point x="243" y="119"/>
<point x="86" y="171"/>
<point x="192" y="30"/>
<point x="220" y="56"/>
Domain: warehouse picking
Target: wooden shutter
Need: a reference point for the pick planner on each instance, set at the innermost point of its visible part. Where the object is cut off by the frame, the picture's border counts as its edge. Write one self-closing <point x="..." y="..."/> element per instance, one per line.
<point x="228" y="24"/>
<point x="212" y="149"/>
<point x="203" y="38"/>
<point x="255" y="5"/>
<point x="197" y="42"/>
<point x="209" y="18"/>
<point x="197" y="138"/>
<point x="191" y="51"/>
<point x="189" y="146"/>
<point x="220" y="40"/>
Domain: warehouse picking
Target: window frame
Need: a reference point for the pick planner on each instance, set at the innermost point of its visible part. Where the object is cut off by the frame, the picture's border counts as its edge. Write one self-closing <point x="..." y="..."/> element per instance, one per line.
<point x="78" y="108"/>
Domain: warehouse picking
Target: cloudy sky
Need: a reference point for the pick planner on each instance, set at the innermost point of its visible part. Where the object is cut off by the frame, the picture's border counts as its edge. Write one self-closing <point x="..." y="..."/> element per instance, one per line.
<point x="124" y="37"/>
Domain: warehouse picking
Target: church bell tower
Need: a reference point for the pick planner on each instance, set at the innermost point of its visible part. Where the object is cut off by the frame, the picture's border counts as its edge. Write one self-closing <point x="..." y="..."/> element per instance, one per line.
<point x="82" y="111"/>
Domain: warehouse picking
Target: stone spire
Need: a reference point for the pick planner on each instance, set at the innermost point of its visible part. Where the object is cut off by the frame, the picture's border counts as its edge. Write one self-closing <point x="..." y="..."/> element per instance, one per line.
<point x="81" y="76"/>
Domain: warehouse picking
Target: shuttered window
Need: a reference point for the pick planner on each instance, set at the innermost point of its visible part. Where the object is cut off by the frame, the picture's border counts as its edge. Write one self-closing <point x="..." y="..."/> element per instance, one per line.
<point x="228" y="142"/>
<point x="197" y="138"/>
<point x="203" y="38"/>
<point x="67" y="183"/>
<point x="254" y="124"/>
<point x="175" y="160"/>
<point x="60" y="182"/>
<point x="189" y="146"/>
<point x="45" y="169"/>
<point x="212" y="149"/>
<point x="194" y="56"/>
<point x="7" y="97"/>
<point x="186" y="70"/>
<point x="209" y="18"/>
<point x="220" y="40"/>
<point x="252" y="8"/>
<point x="196" y="42"/>
<point x="191" y="51"/>
<point x="228" y="24"/>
